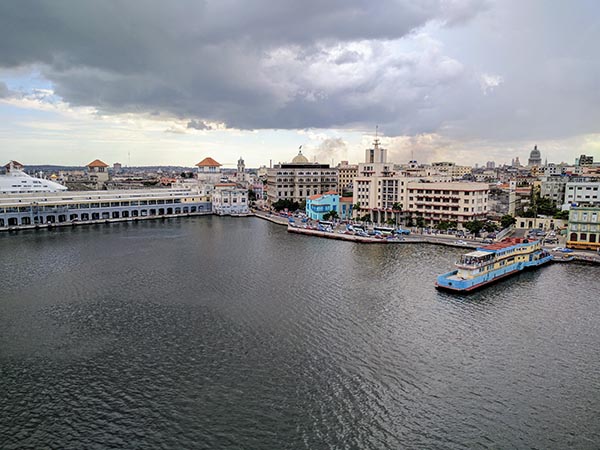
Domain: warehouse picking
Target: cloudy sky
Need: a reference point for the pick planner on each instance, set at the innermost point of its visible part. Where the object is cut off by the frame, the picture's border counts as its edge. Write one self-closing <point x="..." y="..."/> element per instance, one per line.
<point x="157" y="82"/>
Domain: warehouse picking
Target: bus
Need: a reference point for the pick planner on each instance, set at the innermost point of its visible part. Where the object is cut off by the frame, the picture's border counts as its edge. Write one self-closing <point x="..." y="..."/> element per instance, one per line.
<point x="387" y="231"/>
<point x="325" y="223"/>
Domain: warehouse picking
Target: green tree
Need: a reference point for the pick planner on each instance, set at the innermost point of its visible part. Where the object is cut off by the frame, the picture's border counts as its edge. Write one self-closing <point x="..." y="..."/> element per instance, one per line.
<point x="490" y="227"/>
<point x="474" y="226"/>
<point x="562" y="215"/>
<point x="397" y="210"/>
<point x="507" y="220"/>
<point x="288" y="204"/>
<point x="356" y="209"/>
<point x="445" y="225"/>
<point x="420" y="222"/>
<point x="331" y="215"/>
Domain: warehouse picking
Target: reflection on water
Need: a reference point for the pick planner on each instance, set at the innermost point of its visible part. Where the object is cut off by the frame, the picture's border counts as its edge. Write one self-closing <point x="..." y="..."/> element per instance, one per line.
<point x="226" y="332"/>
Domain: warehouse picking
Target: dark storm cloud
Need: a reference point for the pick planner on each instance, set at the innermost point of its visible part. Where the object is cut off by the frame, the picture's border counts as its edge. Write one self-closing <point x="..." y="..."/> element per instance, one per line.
<point x="289" y="64"/>
<point x="219" y="61"/>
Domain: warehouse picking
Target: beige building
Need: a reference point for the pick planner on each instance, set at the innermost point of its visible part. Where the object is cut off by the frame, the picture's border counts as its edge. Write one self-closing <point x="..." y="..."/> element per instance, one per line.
<point x="209" y="171"/>
<point x="376" y="188"/>
<point x="299" y="179"/>
<point x="97" y="172"/>
<point x="346" y="175"/>
<point x="447" y="201"/>
<point x="451" y="170"/>
<point x="453" y="201"/>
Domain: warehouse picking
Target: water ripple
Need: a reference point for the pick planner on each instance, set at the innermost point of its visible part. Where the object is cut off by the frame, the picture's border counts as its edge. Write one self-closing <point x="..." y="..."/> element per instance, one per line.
<point x="226" y="333"/>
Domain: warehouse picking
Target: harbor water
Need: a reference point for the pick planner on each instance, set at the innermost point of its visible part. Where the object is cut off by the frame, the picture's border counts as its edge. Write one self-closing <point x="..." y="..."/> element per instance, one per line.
<point x="211" y="333"/>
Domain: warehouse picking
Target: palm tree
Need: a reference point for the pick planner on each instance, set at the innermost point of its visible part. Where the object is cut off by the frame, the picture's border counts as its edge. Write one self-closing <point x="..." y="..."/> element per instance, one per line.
<point x="356" y="208"/>
<point x="396" y="208"/>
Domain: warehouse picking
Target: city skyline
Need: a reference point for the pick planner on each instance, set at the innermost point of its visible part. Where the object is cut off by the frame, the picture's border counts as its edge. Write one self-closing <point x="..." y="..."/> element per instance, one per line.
<point x="462" y="81"/>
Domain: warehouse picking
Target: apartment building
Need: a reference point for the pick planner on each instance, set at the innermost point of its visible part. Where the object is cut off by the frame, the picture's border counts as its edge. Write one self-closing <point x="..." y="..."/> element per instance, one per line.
<point x="582" y="192"/>
<point x="346" y="175"/>
<point x="441" y="201"/>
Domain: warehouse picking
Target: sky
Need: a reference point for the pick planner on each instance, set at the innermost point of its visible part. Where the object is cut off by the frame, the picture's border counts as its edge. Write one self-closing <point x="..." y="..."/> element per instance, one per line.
<point x="168" y="83"/>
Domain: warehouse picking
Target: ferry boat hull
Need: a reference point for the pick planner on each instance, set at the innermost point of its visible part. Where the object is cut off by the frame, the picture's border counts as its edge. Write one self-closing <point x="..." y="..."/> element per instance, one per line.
<point x="467" y="281"/>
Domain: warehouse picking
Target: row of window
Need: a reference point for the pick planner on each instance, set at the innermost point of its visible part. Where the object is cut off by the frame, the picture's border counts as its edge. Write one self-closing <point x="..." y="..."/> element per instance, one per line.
<point x="307" y="173"/>
<point x="584" y="216"/>
<point x="61" y="218"/>
<point x="90" y="205"/>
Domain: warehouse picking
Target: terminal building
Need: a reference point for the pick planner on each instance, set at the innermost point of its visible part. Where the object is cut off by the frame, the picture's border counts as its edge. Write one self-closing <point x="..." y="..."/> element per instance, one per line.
<point x="32" y="210"/>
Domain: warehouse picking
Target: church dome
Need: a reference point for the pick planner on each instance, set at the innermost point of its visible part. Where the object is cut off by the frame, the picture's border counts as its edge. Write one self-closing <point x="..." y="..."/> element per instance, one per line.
<point x="300" y="158"/>
<point x="535" y="153"/>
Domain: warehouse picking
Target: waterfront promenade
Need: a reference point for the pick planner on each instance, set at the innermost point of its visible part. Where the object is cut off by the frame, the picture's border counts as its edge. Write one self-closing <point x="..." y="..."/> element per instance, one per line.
<point x="413" y="238"/>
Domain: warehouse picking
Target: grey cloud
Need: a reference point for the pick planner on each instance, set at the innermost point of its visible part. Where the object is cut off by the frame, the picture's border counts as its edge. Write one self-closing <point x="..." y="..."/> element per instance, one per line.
<point x="331" y="149"/>
<point x="4" y="91"/>
<point x="288" y="64"/>
<point x="198" y="125"/>
<point x="217" y="61"/>
<point x="348" y="57"/>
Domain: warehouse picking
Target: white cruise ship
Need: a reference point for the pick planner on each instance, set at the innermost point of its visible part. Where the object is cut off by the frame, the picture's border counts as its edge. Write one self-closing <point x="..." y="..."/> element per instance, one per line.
<point x="16" y="181"/>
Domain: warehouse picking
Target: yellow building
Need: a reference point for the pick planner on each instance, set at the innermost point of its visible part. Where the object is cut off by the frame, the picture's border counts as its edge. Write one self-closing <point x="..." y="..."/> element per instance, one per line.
<point x="584" y="228"/>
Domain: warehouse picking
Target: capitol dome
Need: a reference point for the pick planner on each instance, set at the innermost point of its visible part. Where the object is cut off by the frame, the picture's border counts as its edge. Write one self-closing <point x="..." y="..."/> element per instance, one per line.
<point x="300" y="158"/>
<point x="535" y="157"/>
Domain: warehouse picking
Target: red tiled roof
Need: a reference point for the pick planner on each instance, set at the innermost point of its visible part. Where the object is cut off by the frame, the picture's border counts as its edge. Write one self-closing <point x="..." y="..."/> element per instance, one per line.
<point x="345" y="199"/>
<point x="314" y="197"/>
<point x="208" y="162"/>
<point x="97" y="163"/>
<point x="508" y="242"/>
<point x="331" y="193"/>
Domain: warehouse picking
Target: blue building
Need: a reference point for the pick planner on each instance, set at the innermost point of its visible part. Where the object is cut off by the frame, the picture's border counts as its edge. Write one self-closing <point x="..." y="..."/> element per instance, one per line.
<point x="319" y="205"/>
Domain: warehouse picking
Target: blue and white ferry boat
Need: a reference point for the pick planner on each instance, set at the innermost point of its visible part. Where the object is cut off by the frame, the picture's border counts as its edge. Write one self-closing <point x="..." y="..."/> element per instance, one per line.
<point x="491" y="263"/>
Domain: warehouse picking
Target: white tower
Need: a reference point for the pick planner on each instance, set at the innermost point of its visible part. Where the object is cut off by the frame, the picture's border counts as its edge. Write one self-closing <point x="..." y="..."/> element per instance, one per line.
<point x="512" y="197"/>
<point x="241" y="171"/>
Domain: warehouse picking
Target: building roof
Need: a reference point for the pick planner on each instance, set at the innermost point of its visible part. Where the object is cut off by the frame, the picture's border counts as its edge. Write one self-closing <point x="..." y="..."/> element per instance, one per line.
<point x="225" y="184"/>
<point x="504" y="243"/>
<point x="208" y="162"/>
<point x="331" y="193"/>
<point x="15" y="164"/>
<point x="315" y="197"/>
<point x="97" y="163"/>
<point x="300" y="158"/>
<point x="478" y="254"/>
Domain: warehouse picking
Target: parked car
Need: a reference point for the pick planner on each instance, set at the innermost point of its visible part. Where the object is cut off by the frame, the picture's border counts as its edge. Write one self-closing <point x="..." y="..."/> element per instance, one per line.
<point x="562" y="249"/>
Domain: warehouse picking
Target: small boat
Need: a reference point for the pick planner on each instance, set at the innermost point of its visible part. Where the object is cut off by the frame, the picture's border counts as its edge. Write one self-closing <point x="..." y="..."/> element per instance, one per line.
<point x="493" y="262"/>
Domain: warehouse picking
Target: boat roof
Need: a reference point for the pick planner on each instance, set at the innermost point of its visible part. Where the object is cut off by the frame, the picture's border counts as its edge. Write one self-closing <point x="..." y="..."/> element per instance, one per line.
<point x="478" y="254"/>
<point x="505" y="243"/>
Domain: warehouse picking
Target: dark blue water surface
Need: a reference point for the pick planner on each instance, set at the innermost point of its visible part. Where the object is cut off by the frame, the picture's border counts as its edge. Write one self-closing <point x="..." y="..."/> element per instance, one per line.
<point x="231" y="333"/>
